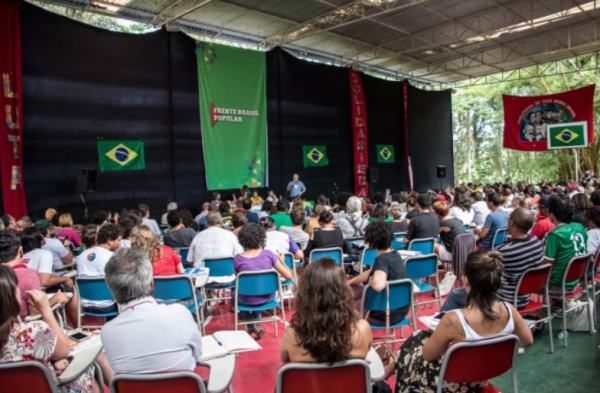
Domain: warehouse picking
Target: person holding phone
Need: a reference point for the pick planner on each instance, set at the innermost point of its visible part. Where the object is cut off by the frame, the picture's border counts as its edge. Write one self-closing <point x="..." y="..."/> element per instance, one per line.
<point x="296" y="188"/>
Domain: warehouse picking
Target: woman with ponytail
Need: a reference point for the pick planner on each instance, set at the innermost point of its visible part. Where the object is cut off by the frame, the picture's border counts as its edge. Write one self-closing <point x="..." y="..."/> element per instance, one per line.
<point x="353" y="224"/>
<point x="483" y="317"/>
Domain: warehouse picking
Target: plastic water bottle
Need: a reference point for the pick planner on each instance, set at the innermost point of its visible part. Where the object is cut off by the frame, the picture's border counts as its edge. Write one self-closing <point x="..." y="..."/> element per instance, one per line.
<point x="562" y="334"/>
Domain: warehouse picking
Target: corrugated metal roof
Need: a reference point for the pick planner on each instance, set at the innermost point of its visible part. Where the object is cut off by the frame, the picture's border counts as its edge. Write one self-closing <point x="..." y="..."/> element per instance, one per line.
<point x="431" y="41"/>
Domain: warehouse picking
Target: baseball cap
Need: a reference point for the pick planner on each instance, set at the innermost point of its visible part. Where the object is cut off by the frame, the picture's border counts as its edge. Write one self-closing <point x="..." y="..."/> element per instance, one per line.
<point x="544" y="200"/>
<point x="43" y="224"/>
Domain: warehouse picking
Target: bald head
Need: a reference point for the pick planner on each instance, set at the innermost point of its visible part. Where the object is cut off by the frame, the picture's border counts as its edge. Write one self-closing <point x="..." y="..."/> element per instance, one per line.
<point x="522" y="219"/>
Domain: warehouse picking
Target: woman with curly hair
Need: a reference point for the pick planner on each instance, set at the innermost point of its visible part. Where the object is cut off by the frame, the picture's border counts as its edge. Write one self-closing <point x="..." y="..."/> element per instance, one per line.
<point x="253" y="238"/>
<point x="165" y="261"/>
<point x="325" y="327"/>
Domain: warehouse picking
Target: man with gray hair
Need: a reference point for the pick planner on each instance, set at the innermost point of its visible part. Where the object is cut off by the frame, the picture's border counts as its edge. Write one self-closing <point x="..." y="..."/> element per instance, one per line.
<point x="213" y="242"/>
<point x="146" y="337"/>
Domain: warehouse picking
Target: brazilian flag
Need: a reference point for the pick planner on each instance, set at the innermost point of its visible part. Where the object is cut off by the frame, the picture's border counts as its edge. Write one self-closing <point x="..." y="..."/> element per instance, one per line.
<point x="567" y="135"/>
<point x="314" y="155"/>
<point x="121" y="155"/>
<point x="385" y="154"/>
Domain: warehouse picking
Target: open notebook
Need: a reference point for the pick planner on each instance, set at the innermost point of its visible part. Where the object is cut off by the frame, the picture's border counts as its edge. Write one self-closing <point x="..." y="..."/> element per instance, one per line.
<point x="226" y="342"/>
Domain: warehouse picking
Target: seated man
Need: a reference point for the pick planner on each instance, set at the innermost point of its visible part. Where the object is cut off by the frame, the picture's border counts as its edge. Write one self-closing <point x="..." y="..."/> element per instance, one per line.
<point x="146" y="220"/>
<point x="544" y="224"/>
<point x="425" y="224"/>
<point x="252" y="217"/>
<point x="521" y="253"/>
<point x="567" y="240"/>
<point x="281" y="218"/>
<point x="213" y="242"/>
<point x="146" y="337"/>
<point x="61" y="253"/>
<point x="279" y="242"/>
<point x="497" y="219"/>
<point x="295" y="231"/>
<point x="178" y="235"/>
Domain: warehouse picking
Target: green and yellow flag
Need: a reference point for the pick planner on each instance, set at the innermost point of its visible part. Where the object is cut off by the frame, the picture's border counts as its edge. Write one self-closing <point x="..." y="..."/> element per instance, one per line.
<point x="385" y="154"/>
<point x="121" y="155"/>
<point x="567" y="135"/>
<point x="314" y="155"/>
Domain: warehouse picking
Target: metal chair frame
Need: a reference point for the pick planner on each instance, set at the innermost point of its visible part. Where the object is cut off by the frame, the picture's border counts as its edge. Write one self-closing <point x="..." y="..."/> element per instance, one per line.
<point x="316" y="370"/>
<point x="164" y="379"/>
<point x="94" y="297"/>
<point x="435" y="289"/>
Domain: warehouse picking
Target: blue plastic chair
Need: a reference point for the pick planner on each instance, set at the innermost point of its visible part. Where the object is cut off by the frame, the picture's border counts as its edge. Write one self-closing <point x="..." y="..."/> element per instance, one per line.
<point x="335" y="253"/>
<point x="397" y="242"/>
<point x="288" y="259"/>
<point x="367" y="259"/>
<point x="179" y="288"/>
<point x="183" y="253"/>
<point x="93" y="289"/>
<point x="424" y="246"/>
<point x="219" y="267"/>
<point x="257" y="283"/>
<point x="423" y="267"/>
<point x="352" y="240"/>
<point x="397" y="294"/>
<point x="499" y="237"/>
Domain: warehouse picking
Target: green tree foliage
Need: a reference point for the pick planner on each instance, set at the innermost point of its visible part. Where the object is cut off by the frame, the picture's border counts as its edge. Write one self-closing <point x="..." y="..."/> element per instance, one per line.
<point x="478" y="127"/>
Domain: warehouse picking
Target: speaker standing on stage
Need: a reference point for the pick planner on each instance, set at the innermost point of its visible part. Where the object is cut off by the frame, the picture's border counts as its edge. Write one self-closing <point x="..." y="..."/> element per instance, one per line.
<point x="296" y="188"/>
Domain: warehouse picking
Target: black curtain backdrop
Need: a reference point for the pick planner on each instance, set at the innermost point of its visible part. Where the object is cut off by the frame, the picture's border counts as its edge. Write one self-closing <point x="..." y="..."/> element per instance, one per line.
<point x="81" y="83"/>
<point x="430" y="137"/>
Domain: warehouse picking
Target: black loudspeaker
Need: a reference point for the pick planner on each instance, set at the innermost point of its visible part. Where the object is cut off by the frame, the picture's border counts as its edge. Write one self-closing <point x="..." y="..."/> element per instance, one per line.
<point x="86" y="180"/>
<point x="373" y="175"/>
<point x="441" y="171"/>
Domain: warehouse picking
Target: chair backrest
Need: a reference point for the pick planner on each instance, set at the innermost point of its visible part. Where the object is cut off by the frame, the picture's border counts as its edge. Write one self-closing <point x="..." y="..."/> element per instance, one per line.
<point x="499" y="237"/>
<point x="93" y="288"/>
<point x="421" y="266"/>
<point x="26" y="377"/>
<point x="351" y="376"/>
<point x="397" y="242"/>
<point x="180" y="382"/>
<point x="576" y="268"/>
<point x="367" y="258"/>
<point x="334" y="252"/>
<point x="398" y="293"/>
<point x="425" y="246"/>
<point x="257" y="282"/>
<point x="288" y="259"/>
<point x="177" y="287"/>
<point x="474" y="361"/>
<point x="183" y="253"/>
<point x="220" y="266"/>
<point x="533" y="280"/>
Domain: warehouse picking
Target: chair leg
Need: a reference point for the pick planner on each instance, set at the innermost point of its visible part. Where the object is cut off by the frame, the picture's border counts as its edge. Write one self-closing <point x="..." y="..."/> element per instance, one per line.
<point x="564" y="308"/>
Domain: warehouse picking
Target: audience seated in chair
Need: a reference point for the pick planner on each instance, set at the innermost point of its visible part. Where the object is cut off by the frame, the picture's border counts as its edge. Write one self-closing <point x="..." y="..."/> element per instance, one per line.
<point x="497" y="219"/>
<point x="450" y="227"/>
<point x="146" y="337"/>
<point x="295" y="231"/>
<point x="282" y="218"/>
<point x="279" y="242"/>
<point x="543" y="224"/>
<point x="325" y="328"/>
<point x="424" y="225"/>
<point x="146" y="220"/>
<point x="61" y="254"/>
<point x="388" y="266"/>
<point x="213" y="242"/>
<point x="328" y="236"/>
<point x="420" y="356"/>
<point x="43" y="340"/>
<point x="178" y="235"/>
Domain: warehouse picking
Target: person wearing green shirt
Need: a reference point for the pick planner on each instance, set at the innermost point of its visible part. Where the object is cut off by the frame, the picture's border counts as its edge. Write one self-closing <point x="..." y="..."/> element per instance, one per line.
<point x="567" y="240"/>
<point x="281" y="218"/>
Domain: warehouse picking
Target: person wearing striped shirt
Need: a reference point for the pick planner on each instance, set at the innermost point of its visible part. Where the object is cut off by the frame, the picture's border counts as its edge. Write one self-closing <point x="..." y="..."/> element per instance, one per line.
<point x="521" y="253"/>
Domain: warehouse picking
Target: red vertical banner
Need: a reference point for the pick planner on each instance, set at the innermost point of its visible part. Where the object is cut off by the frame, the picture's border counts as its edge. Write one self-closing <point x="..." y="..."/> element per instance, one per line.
<point x="409" y="173"/>
<point x="11" y="168"/>
<point x="359" y="128"/>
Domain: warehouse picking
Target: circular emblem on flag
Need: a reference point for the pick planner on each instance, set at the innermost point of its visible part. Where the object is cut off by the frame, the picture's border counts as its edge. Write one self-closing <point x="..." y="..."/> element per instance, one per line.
<point x="122" y="154"/>
<point x="385" y="153"/>
<point x="566" y="136"/>
<point x="315" y="155"/>
<point x="91" y="257"/>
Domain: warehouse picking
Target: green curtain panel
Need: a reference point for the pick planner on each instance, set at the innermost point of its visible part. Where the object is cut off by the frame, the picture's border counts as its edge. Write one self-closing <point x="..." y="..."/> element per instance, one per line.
<point x="233" y="115"/>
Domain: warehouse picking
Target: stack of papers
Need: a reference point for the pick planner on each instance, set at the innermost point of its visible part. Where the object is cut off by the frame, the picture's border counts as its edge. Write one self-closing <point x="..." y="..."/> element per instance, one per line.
<point x="408" y="254"/>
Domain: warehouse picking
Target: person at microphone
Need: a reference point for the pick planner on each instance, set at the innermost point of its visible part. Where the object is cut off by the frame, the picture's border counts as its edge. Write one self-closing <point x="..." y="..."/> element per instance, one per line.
<point x="296" y="188"/>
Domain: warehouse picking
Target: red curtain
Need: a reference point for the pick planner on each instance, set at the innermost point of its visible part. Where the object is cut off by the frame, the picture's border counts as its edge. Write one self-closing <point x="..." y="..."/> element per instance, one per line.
<point x="11" y="101"/>
<point x="359" y="128"/>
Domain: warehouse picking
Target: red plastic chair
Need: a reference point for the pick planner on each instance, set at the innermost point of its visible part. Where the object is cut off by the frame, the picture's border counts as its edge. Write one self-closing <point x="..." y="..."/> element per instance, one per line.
<point x="576" y="269"/>
<point x="532" y="281"/>
<point x="180" y="382"/>
<point x="351" y="376"/>
<point x="474" y="361"/>
<point x="26" y="377"/>
<point x="593" y="281"/>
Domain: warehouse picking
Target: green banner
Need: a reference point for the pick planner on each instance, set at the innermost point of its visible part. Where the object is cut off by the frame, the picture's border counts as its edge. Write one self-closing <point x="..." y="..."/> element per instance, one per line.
<point x="314" y="155"/>
<point x="567" y="135"/>
<point x="385" y="154"/>
<point x="121" y="155"/>
<point x="233" y="115"/>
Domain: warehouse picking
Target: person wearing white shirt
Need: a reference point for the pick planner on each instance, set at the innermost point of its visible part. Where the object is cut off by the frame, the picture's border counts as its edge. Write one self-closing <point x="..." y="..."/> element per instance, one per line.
<point x="91" y="263"/>
<point x="592" y="220"/>
<point x="149" y="222"/>
<point x="213" y="242"/>
<point x="61" y="254"/>
<point x="279" y="242"/>
<point x="461" y="208"/>
<point x="146" y="337"/>
<point x="480" y="208"/>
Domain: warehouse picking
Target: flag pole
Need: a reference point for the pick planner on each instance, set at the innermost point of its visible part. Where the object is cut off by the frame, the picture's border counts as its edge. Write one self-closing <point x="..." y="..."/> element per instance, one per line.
<point x="576" y="166"/>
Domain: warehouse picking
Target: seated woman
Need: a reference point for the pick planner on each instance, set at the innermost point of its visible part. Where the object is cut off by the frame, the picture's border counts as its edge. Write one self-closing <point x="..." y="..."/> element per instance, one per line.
<point x="380" y="214"/>
<point x="398" y="224"/>
<point x="484" y="317"/>
<point x="265" y="209"/>
<point x="65" y="221"/>
<point x="42" y="340"/>
<point x="328" y="236"/>
<point x="450" y="227"/>
<point x="325" y="327"/>
<point x="353" y="224"/>
<point x="388" y="266"/>
<point x="252" y="238"/>
<point x="313" y="222"/>
<point x="461" y="208"/>
<point x="165" y="261"/>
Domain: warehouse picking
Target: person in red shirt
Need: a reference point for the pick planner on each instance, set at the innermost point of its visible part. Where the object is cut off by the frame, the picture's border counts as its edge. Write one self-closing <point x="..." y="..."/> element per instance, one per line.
<point x="543" y="225"/>
<point x="165" y="261"/>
